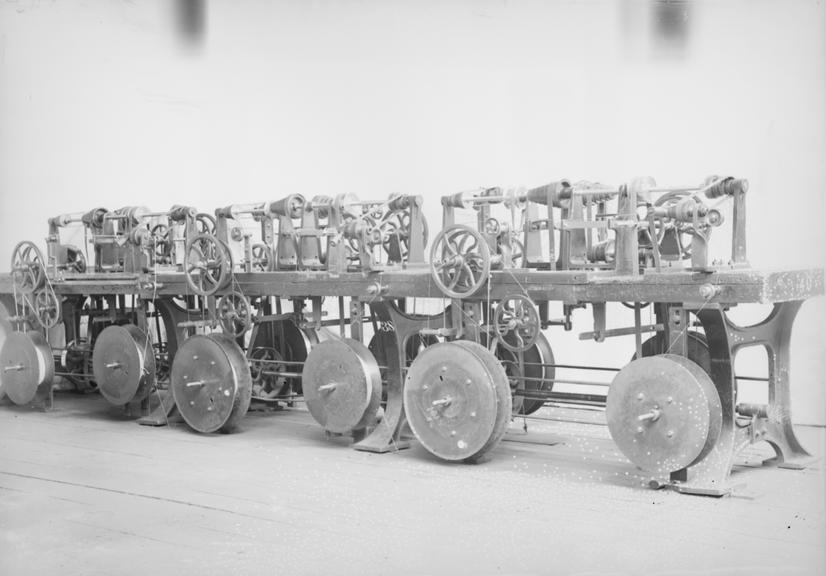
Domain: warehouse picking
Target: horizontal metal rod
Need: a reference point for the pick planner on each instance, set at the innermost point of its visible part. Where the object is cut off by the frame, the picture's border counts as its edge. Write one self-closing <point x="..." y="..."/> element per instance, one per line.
<point x="622" y="331"/>
<point x="573" y="366"/>
<point x="751" y="378"/>
<point x="560" y="381"/>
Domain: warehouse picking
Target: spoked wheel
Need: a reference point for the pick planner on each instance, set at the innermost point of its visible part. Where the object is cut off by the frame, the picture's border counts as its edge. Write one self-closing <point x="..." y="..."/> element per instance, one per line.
<point x="234" y="314"/>
<point x="516" y="322"/>
<point x="26" y="364"/>
<point x="123" y="362"/>
<point x="47" y="307"/>
<point x="266" y="366"/>
<point x="262" y="257"/>
<point x="459" y="261"/>
<point x="395" y="229"/>
<point x="205" y="223"/>
<point x="208" y="265"/>
<point x="672" y="236"/>
<point x="291" y="343"/>
<point x="75" y="260"/>
<point x="533" y="375"/>
<point x="664" y="413"/>
<point x="342" y="385"/>
<point x="452" y="400"/>
<point x="163" y="243"/>
<point x="28" y="269"/>
<point x="211" y="382"/>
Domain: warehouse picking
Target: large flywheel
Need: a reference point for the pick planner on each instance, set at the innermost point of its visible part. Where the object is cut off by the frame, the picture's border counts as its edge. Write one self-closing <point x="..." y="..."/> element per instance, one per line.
<point x="451" y="400"/>
<point x="342" y="385"/>
<point x="664" y="413"/>
<point x="211" y="382"/>
<point x="26" y="363"/>
<point x="123" y="362"/>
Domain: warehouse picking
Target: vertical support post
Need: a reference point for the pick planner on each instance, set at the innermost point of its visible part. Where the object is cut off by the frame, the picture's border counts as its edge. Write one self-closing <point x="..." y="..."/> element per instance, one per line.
<point x="356" y="319"/>
<point x="738" y="229"/>
<point x="626" y="231"/>
<point x="416" y="241"/>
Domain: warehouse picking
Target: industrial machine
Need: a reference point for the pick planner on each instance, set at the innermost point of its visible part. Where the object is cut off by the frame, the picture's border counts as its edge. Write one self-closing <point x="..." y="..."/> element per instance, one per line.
<point x="332" y="302"/>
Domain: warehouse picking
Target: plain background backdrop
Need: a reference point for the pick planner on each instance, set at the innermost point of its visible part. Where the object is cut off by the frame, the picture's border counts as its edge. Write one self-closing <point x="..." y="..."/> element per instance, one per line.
<point x="119" y="103"/>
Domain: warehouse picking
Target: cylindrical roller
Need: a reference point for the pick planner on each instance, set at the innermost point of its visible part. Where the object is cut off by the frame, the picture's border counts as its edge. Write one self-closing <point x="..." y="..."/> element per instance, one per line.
<point x="25" y="364"/>
<point x="342" y="385"/>
<point x="504" y="400"/>
<point x="450" y="401"/>
<point x="664" y="413"/>
<point x="211" y="382"/>
<point x="123" y="362"/>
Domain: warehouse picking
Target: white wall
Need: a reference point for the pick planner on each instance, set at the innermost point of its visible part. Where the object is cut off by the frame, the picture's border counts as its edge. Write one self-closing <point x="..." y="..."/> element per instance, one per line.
<point x="102" y="103"/>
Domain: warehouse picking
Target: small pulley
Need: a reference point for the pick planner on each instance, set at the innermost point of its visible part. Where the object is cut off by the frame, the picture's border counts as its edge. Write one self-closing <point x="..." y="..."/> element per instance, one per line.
<point x="26" y="364"/>
<point x="211" y="382"/>
<point x="234" y="313"/>
<point x="516" y="322"/>
<point x="452" y="400"/>
<point x="342" y="385"/>
<point x="459" y="261"/>
<point x="664" y="413"/>
<point x="123" y="363"/>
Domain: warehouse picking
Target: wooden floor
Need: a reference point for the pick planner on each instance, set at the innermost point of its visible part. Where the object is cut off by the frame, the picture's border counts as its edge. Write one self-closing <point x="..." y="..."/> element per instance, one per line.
<point x="82" y="491"/>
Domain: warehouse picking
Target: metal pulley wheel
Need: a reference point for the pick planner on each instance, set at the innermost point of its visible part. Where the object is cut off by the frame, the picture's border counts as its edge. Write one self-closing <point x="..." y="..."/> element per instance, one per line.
<point x="504" y="400"/>
<point x="516" y="322"/>
<point x="664" y="413"/>
<point x="211" y="382"/>
<point x="342" y="385"/>
<point x="535" y="373"/>
<point x="46" y="307"/>
<point x="266" y="367"/>
<point x="123" y="363"/>
<point x="396" y="231"/>
<point x="205" y="223"/>
<point x="26" y="363"/>
<point x="234" y="313"/>
<point x="208" y="264"/>
<point x="28" y="268"/>
<point x="290" y="342"/>
<point x="459" y="261"/>
<point x="450" y="400"/>
<point x="262" y="257"/>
